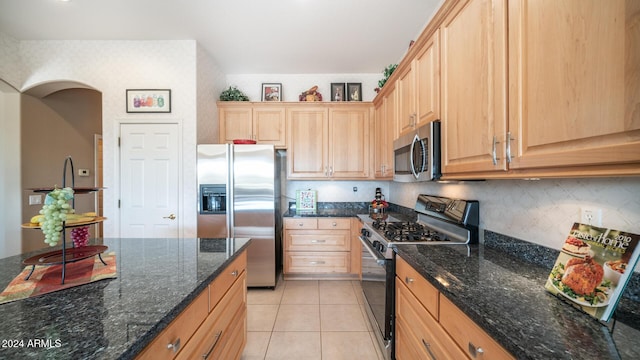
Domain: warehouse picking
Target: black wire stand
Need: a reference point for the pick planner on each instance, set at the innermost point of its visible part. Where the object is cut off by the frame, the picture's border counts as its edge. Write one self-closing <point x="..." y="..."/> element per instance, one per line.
<point x="76" y="254"/>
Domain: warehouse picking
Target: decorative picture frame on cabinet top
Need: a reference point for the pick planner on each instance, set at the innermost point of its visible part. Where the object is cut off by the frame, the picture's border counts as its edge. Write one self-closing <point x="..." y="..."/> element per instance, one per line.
<point x="354" y="91"/>
<point x="271" y="92"/>
<point x="338" y="92"/>
<point x="148" y="100"/>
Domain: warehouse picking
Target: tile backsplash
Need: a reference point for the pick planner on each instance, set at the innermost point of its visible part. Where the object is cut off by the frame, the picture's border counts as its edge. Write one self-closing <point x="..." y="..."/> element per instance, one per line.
<point x="542" y="211"/>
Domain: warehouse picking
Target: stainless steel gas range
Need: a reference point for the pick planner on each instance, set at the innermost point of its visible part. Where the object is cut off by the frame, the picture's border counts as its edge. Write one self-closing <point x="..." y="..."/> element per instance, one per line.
<point x="440" y="220"/>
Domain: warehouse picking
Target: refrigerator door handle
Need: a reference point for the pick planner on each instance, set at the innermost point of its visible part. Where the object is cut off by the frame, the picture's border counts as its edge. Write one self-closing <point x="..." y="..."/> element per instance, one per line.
<point x="230" y="192"/>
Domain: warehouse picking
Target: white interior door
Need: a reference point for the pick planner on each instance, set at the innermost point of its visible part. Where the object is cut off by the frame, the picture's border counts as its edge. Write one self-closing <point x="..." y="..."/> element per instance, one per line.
<point x="149" y="170"/>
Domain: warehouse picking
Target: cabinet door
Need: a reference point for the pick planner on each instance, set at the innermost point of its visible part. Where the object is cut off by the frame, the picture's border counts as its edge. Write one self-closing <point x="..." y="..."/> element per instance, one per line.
<point x="383" y="141"/>
<point x="473" y="54"/>
<point x="406" y="101"/>
<point x="418" y="334"/>
<point x="427" y="67"/>
<point x="349" y="142"/>
<point x="378" y="141"/>
<point x="307" y="131"/>
<point x="235" y="123"/>
<point x="574" y="70"/>
<point x="269" y="126"/>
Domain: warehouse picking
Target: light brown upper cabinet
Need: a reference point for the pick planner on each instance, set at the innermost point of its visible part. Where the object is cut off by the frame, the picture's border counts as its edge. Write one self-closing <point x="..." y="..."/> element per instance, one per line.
<point x="384" y="133"/>
<point x="405" y="86"/>
<point x="561" y="102"/>
<point x="264" y="123"/>
<point x="574" y="94"/>
<point x="473" y="63"/>
<point x="418" y="88"/>
<point x="329" y="142"/>
<point x="427" y="77"/>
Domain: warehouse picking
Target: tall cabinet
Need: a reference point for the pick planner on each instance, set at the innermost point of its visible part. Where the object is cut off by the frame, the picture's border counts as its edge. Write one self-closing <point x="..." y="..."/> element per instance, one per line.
<point x="473" y="63"/>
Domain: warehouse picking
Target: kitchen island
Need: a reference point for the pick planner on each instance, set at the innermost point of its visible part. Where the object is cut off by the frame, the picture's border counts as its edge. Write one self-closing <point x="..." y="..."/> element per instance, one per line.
<point x="114" y="318"/>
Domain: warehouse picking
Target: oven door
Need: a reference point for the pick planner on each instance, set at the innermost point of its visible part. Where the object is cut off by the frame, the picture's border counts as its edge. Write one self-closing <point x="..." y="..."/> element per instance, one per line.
<point x="378" y="286"/>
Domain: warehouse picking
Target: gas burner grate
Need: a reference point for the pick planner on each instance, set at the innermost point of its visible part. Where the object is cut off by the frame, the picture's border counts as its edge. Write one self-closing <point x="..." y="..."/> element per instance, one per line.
<point x="411" y="232"/>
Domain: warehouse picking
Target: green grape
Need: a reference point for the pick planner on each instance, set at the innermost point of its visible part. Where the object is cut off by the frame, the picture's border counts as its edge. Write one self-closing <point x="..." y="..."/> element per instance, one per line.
<point x="55" y="210"/>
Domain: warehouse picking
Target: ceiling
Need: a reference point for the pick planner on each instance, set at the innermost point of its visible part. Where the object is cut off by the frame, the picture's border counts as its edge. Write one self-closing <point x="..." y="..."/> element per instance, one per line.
<point x="242" y="36"/>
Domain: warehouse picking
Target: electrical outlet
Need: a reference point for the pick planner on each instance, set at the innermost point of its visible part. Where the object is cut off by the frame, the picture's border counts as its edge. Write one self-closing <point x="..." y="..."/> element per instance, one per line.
<point x="83" y="172"/>
<point x="591" y="216"/>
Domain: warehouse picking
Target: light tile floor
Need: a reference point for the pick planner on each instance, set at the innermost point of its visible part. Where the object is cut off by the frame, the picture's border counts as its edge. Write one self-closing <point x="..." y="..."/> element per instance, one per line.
<point x="300" y="320"/>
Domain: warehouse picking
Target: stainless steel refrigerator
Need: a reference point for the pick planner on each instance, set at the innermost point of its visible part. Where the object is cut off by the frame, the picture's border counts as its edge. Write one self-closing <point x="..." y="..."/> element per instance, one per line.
<point x="239" y="196"/>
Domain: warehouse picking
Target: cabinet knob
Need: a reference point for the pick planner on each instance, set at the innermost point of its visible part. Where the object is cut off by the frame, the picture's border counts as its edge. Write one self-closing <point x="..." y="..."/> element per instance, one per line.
<point x="475" y="352"/>
<point x="408" y="280"/>
<point x="318" y="241"/>
<point x="300" y="224"/>
<point x="334" y="224"/>
<point x="175" y="346"/>
<point x="234" y="273"/>
<point x="317" y="262"/>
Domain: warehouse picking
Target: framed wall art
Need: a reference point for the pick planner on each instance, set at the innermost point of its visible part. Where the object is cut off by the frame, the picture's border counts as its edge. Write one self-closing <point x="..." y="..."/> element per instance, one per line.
<point x="354" y="91"/>
<point x="148" y="100"/>
<point x="338" y="92"/>
<point x="271" y="92"/>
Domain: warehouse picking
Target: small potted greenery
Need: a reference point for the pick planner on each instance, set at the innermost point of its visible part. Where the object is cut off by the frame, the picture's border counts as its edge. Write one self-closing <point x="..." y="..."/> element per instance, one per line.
<point x="387" y="73"/>
<point x="233" y="94"/>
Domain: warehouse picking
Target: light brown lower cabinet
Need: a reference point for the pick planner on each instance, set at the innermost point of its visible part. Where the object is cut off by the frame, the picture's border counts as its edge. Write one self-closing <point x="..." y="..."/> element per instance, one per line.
<point x="429" y="326"/>
<point x="213" y="326"/>
<point x="320" y="247"/>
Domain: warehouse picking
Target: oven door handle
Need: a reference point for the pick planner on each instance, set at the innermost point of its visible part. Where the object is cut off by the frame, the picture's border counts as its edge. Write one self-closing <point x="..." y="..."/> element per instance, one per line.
<point x="380" y="260"/>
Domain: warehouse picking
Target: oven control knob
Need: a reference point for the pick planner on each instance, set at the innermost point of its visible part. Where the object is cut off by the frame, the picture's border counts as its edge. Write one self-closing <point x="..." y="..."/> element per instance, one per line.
<point x="365" y="232"/>
<point x="375" y="244"/>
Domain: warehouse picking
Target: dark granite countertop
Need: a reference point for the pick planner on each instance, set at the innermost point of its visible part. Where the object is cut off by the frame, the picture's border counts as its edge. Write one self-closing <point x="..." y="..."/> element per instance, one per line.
<point x="114" y="318"/>
<point x="505" y="296"/>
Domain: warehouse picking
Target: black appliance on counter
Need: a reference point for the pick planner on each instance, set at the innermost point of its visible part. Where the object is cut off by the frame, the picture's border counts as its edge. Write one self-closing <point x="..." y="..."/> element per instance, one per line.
<point x="440" y="221"/>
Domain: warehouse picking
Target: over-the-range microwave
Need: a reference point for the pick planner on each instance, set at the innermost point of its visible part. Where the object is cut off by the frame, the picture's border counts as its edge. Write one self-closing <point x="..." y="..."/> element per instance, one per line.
<point x="417" y="155"/>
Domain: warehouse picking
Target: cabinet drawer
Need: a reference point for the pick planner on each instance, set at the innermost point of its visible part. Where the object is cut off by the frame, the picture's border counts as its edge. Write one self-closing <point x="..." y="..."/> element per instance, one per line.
<point x="223" y="282"/>
<point x="469" y="336"/>
<point x="318" y="240"/>
<point x="312" y="262"/>
<point x="179" y="331"/>
<point x="419" y="332"/>
<point x="301" y="223"/>
<point x="334" y="223"/>
<point x="215" y="332"/>
<point x="419" y="286"/>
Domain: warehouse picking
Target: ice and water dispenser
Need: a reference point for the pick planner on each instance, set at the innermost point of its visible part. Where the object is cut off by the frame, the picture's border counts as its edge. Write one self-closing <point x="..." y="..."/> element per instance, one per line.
<point x="213" y="199"/>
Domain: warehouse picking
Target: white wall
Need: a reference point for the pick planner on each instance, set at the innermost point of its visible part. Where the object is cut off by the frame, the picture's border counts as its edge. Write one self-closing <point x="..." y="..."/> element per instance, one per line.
<point x="294" y="84"/>
<point x="10" y="194"/>
<point x="540" y="212"/>
<point x="111" y="67"/>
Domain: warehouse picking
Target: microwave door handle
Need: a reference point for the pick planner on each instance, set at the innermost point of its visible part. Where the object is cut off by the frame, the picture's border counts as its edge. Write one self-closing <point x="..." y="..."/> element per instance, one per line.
<point x="411" y="162"/>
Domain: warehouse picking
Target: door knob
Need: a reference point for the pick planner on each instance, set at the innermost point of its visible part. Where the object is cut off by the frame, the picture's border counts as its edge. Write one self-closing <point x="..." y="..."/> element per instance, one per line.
<point x="171" y="217"/>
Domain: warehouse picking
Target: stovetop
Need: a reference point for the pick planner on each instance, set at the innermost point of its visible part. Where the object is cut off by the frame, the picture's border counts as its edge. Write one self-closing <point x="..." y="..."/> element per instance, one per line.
<point x="407" y="232"/>
<point x="439" y="221"/>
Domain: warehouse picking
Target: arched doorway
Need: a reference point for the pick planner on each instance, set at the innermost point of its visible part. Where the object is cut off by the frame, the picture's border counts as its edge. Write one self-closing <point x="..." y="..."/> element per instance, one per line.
<point x="59" y="119"/>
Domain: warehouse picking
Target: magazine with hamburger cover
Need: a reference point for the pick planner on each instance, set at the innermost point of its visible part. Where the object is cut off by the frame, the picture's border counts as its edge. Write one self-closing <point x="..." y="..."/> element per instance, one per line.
<point x="593" y="268"/>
